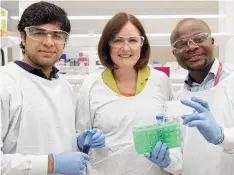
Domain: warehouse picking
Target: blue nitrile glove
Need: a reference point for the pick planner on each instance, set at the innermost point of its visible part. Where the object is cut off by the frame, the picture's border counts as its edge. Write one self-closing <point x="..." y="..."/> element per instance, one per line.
<point x="203" y="120"/>
<point x="160" y="155"/>
<point x="98" y="139"/>
<point x="70" y="163"/>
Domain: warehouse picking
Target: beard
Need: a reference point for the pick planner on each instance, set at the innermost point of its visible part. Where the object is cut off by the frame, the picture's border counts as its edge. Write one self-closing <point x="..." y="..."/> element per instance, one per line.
<point x="200" y="68"/>
<point x="42" y="61"/>
<point x="207" y="63"/>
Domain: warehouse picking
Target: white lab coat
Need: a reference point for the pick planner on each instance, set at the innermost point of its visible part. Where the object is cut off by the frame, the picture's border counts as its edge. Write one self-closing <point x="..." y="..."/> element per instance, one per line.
<point x="116" y="115"/>
<point x="201" y="157"/>
<point x="37" y="119"/>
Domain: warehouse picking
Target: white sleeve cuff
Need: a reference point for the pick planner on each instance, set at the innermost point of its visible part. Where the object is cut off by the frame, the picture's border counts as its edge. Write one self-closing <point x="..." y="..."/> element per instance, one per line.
<point x="176" y="164"/>
<point x="39" y="165"/>
<point x="228" y="142"/>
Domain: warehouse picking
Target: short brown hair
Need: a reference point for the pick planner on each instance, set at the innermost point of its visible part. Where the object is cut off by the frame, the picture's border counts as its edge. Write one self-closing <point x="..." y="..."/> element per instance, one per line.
<point x="112" y="28"/>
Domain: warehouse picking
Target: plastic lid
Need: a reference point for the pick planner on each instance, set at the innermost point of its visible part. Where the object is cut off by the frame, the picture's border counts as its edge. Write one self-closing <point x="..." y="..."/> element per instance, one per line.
<point x="159" y="117"/>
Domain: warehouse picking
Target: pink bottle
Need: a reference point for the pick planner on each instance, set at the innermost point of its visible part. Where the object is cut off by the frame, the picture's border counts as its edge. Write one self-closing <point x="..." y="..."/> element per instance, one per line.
<point x="83" y="59"/>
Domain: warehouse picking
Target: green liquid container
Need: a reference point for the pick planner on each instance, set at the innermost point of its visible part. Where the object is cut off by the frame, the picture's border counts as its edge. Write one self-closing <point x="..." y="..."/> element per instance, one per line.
<point x="146" y="137"/>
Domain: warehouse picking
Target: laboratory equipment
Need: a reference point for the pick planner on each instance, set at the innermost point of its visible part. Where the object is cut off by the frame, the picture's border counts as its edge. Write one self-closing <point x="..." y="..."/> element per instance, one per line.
<point x="145" y="137"/>
<point x="88" y="141"/>
<point x="82" y="59"/>
<point x="160" y="119"/>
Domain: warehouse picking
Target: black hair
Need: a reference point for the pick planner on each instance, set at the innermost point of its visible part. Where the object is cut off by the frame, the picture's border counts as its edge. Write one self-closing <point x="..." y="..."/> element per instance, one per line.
<point x="43" y="13"/>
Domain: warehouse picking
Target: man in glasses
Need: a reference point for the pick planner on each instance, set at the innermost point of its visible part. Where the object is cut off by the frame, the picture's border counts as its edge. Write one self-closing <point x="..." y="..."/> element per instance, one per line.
<point x="193" y="48"/>
<point x="208" y="147"/>
<point x="38" y="132"/>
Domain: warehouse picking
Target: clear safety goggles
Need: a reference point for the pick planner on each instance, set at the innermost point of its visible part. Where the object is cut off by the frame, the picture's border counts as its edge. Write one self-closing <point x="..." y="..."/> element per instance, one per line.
<point x="40" y="34"/>
<point x="197" y="39"/>
<point x="132" y="41"/>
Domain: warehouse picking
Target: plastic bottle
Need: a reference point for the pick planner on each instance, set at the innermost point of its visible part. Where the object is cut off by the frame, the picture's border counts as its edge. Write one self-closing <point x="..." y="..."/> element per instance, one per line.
<point x="76" y="62"/>
<point x="63" y="59"/>
<point x="62" y="62"/>
<point x="72" y="62"/>
<point x="68" y="63"/>
<point x="83" y="59"/>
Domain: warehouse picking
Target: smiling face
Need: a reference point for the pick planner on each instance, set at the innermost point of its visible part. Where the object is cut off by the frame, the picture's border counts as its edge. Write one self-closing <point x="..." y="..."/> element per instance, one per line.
<point x="44" y="53"/>
<point x="127" y="55"/>
<point x="195" y="55"/>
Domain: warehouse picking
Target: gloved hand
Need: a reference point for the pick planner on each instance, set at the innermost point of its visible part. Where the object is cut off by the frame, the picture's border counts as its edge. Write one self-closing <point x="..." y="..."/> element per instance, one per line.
<point x="203" y="120"/>
<point x="98" y="139"/>
<point x="160" y="155"/>
<point x="70" y="163"/>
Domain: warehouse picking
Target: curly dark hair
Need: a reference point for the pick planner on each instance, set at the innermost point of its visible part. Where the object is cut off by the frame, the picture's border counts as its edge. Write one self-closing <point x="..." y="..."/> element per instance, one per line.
<point x="43" y="13"/>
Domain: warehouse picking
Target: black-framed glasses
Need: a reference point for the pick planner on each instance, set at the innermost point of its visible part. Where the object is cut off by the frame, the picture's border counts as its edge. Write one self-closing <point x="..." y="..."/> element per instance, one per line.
<point x="132" y="41"/>
<point x="197" y="39"/>
<point x="40" y="34"/>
